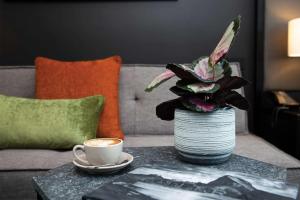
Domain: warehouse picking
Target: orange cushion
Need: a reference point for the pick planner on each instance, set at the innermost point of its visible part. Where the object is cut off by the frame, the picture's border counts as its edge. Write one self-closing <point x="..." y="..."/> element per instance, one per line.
<point x="59" y="80"/>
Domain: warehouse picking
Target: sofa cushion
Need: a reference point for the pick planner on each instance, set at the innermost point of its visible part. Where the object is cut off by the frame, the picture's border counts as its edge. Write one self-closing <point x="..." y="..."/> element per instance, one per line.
<point x="247" y="145"/>
<point x="137" y="107"/>
<point x="50" y="124"/>
<point x="77" y="79"/>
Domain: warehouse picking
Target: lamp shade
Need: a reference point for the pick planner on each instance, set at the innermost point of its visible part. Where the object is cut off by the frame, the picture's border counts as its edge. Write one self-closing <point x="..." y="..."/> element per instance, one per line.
<point x="294" y="38"/>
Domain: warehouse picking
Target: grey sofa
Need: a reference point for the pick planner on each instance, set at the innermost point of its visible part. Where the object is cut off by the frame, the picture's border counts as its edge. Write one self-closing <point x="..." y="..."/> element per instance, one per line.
<point x="141" y="126"/>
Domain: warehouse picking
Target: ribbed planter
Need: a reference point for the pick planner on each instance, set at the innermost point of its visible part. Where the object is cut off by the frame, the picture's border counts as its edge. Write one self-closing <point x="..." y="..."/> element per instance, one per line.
<point x="205" y="138"/>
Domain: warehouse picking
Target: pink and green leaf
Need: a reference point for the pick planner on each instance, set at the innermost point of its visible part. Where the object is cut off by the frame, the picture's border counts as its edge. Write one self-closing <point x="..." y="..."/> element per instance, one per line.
<point x="224" y="45"/>
<point x="211" y="74"/>
<point x="199" y="87"/>
<point x="159" y="80"/>
<point x="198" y="105"/>
<point x="203" y="88"/>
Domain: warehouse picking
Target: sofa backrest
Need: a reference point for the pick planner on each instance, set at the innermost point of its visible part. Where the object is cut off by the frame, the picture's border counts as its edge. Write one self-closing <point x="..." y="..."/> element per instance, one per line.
<point x="137" y="108"/>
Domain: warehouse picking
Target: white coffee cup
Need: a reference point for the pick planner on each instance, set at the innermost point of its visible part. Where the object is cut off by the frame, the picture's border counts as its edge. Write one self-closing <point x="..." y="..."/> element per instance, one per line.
<point x="100" y="151"/>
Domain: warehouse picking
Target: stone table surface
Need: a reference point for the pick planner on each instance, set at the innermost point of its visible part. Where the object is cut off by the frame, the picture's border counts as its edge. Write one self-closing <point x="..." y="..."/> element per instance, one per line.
<point x="68" y="182"/>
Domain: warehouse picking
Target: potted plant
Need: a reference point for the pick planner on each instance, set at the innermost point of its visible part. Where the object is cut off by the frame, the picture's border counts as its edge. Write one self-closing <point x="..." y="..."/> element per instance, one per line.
<point x="204" y="117"/>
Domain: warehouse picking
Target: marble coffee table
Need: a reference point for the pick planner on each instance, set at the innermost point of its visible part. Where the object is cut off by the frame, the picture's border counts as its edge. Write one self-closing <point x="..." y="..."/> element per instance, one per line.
<point x="68" y="182"/>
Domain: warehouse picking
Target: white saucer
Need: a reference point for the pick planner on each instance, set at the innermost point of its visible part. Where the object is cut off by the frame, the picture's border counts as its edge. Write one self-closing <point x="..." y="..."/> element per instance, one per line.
<point x="125" y="160"/>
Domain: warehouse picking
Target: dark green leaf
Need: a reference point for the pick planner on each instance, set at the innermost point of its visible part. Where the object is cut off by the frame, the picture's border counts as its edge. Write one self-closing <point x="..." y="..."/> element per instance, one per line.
<point x="166" y="110"/>
<point x="180" y="92"/>
<point x="232" y="82"/>
<point x="182" y="71"/>
<point x="233" y="98"/>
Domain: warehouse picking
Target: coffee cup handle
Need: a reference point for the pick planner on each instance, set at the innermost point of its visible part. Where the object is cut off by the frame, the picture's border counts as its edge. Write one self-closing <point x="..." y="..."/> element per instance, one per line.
<point x="75" y="149"/>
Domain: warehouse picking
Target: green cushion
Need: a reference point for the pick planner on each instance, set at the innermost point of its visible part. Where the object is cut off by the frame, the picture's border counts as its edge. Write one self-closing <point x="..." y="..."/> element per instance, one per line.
<point x="48" y="124"/>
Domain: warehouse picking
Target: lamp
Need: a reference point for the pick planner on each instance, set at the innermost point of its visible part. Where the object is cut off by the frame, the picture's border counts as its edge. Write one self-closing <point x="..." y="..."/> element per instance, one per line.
<point x="294" y="38"/>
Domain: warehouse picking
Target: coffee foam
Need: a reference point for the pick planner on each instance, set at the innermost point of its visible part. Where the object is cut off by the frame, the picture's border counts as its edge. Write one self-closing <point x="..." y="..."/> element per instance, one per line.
<point x="102" y="142"/>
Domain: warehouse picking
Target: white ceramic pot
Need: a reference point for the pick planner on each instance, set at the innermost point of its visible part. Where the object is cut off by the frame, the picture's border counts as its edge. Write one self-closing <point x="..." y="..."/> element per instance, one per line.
<point x="205" y="138"/>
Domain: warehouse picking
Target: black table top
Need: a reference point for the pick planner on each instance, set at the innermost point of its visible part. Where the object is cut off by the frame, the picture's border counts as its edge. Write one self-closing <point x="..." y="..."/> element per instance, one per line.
<point x="68" y="182"/>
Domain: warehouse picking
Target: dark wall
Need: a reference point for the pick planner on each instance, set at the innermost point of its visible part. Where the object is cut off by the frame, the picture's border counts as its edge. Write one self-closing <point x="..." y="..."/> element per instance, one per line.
<point x="139" y="31"/>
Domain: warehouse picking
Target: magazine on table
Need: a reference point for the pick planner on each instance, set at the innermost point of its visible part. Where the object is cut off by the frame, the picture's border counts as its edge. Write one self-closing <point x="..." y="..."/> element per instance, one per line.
<point x="164" y="182"/>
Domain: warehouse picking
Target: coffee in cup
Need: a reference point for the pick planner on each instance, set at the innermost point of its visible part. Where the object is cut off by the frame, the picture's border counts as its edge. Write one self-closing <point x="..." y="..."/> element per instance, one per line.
<point x="100" y="151"/>
<point x="102" y="142"/>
